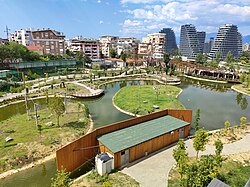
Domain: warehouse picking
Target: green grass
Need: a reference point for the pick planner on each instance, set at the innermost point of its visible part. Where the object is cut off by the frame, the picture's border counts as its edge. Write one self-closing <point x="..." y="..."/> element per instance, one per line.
<point x="233" y="174"/>
<point x="141" y="99"/>
<point x="29" y="145"/>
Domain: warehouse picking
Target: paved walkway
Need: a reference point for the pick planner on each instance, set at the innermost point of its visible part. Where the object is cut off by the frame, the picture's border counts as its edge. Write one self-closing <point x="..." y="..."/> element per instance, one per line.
<point x="154" y="169"/>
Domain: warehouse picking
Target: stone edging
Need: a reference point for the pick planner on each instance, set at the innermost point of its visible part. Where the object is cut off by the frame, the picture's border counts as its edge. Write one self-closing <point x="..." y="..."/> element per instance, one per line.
<point x="123" y="111"/>
<point x="237" y="90"/>
<point x="207" y="80"/>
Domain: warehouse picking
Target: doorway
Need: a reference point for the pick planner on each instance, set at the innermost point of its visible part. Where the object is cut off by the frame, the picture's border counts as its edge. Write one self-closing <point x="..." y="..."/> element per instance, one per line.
<point x="125" y="157"/>
<point x="181" y="133"/>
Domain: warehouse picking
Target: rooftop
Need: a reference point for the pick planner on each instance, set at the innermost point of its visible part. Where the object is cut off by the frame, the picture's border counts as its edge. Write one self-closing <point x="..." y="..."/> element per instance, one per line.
<point x="136" y="134"/>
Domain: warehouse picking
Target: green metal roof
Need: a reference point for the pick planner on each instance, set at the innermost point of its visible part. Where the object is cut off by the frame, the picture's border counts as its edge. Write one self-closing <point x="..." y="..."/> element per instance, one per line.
<point x="136" y="134"/>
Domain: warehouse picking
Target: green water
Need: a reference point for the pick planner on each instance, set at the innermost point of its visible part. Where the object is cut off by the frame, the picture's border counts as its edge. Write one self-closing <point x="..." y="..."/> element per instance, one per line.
<point x="217" y="102"/>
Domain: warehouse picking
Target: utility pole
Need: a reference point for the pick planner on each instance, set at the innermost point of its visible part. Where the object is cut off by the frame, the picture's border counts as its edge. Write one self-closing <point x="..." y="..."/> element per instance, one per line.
<point x="65" y="102"/>
<point x="36" y="116"/>
<point x="26" y="97"/>
<point x="7" y="31"/>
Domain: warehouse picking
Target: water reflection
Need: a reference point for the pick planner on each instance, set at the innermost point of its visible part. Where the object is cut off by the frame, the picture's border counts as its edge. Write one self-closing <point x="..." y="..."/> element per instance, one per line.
<point x="218" y="87"/>
<point x="242" y="101"/>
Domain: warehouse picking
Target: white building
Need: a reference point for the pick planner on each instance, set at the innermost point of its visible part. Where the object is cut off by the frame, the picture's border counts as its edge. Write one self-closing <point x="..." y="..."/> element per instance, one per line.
<point x="107" y="43"/>
<point x="22" y="36"/>
<point x="155" y="45"/>
<point x="246" y="47"/>
<point x="127" y="45"/>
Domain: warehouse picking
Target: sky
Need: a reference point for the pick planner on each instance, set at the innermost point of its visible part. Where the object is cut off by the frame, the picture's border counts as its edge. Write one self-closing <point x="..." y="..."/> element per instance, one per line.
<point x="125" y="18"/>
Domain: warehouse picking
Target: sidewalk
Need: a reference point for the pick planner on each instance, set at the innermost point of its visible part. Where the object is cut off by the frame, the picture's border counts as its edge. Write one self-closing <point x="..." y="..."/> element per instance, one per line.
<point x="154" y="169"/>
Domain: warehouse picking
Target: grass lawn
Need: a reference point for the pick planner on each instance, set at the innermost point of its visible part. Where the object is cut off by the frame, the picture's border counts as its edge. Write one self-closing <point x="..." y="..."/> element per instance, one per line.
<point x="117" y="179"/>
<point x="29" y="144"/>
<point x="145" y="99"/>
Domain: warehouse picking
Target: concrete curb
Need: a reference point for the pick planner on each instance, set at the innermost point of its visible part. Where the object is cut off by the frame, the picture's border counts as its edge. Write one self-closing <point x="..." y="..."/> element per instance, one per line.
<point x="239" y="91"/>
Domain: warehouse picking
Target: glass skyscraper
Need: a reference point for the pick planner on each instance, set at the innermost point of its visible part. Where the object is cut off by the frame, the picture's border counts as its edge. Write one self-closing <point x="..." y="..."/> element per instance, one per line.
<point x="170" y="41"/>
<point x="191" y="42"/>
<point x="227" y="39"/>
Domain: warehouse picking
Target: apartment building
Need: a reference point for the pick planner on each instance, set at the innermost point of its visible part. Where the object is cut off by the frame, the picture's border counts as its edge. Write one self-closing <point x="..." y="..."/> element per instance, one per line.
<point x="90" y="47"/>
<point x="3" y="41"/>
<point x="227" y="39"/>
<point x="127" y="45"/>
<point x="52" y="42"/>
<point x="156" y="44"/>
<point x="201" y="39"/>
<point x="22" y="36"/>
<point x="107" y="43"/>
<point x="170" y="40"/>
<point x="191" y="42"/>
<point x="208" y="45"/>
<point x="246" y="47"/>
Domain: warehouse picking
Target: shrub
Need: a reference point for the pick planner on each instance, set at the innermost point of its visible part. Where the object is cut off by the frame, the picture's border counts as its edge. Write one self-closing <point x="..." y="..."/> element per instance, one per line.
<point x="62" y="179"/>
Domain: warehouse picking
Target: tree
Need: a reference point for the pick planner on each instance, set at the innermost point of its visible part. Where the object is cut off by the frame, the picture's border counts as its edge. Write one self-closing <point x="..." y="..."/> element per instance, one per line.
<point x="199" y="58"/>
<point x="200" y="141"/>
<point x="62" y="179"/>
<point x="124" y="56"/>
<point x="79" y="105"/>
<point x="57" y="107"/>
<point x="229" y="58"/>
<point x="181" y="157"/>
<point x="197" y="119"/>
<point x="86" y="108"/>
<point x="166" y="60"/>
<point x="86" y="60"/>
<point x="218" y="150"/>
<point x="218" y="57"/>
<point x="112" y="53"/>
<point x="243" y="120"/>
<point x="227" y="124"/>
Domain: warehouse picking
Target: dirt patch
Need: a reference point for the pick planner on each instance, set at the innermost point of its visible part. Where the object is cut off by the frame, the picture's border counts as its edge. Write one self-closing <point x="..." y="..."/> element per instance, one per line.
<point x="242" y="158"/>
<point x="229" y="135"/>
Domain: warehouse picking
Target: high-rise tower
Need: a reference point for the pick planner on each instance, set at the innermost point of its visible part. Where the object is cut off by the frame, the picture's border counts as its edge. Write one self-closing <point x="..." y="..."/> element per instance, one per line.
<point x="189" y="43"/>
<point x="201" y="38"/>
<point x="170" y="41"/>
<point x="227" y="39"/>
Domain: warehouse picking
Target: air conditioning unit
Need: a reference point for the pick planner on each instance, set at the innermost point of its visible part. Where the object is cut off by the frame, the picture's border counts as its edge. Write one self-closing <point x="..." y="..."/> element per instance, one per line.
<point x="104" y="163"/>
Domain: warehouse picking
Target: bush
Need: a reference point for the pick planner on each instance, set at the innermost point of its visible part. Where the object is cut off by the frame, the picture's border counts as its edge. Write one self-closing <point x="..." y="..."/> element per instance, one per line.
<point x="61" y="180"/>
<point x="4" y="86"/>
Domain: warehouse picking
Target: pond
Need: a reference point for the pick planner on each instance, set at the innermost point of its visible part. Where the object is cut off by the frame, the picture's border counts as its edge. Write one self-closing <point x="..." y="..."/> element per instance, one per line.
<point x="217" y="103"/>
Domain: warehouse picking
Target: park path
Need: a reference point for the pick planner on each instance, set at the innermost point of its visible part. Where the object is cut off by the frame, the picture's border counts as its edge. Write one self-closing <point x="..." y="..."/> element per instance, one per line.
<point x="153" y="170"/>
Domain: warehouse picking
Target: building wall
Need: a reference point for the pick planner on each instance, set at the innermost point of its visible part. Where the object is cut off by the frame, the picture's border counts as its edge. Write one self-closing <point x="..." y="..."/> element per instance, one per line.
<point x="70" y="157"/>
<point x="156" y="45"/>
<point x="150" y="146"/>
<point x="189" y="43"/>
<point x="22" y="37"/>
<point x="51" y="41"/>
<point x="170" y="40"/>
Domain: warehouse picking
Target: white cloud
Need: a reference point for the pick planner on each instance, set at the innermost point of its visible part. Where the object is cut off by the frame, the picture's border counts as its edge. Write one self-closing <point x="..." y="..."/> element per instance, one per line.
<point x="137" y="1"/>
<point x="99" y="1"/>
<point x="206" y="15"/>
<point x="128" y="23"/>
<point x="101" y="22"/>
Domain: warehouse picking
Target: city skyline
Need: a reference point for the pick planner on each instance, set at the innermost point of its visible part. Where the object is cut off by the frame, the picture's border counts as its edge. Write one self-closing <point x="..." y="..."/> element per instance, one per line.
<point x="125" y="18"/>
